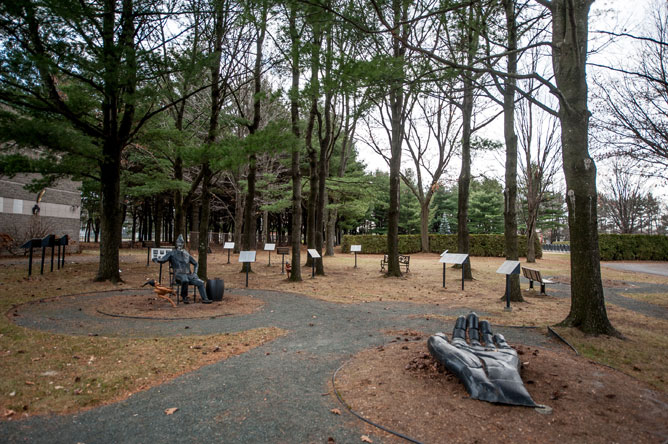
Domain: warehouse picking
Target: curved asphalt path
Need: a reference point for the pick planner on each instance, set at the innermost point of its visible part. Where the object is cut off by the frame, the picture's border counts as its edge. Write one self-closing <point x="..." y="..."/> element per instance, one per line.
<point x="271" y="394"/>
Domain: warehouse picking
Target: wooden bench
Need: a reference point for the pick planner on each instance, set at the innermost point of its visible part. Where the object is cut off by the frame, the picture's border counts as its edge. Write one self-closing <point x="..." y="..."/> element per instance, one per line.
<point x="404" y="261"/>
<point x="534" y="276"/>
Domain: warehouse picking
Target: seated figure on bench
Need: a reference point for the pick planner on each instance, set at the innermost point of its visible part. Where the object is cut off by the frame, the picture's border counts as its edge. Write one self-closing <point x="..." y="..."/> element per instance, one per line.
<point x="180" y="261"/>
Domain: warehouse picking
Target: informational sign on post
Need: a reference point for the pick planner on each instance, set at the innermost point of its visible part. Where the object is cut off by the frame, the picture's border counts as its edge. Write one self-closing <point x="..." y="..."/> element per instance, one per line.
<point x="314" y="255"/>
<point x="283" y="251"/>
<point x="355" y="249"/>
<point x="509" y="268"/>
<point x="269" y="248"/>
<point x="229" y="246"/>
<point x="453" y="258"/>
<point x="244" y="257"/>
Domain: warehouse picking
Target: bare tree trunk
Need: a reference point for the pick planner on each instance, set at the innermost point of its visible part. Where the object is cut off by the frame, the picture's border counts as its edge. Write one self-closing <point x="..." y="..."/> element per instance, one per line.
<point x="331" y="234"/>
<point x="158" y="220"/>
<point x="396" y="96"/>
<point x="203" y="241"/>
<point x="510" y="193"/>
<point x="464" y="182"/>
<point x="238" y="219"/>
<point x="296" y="223"/>
<point x="569" y="55"/>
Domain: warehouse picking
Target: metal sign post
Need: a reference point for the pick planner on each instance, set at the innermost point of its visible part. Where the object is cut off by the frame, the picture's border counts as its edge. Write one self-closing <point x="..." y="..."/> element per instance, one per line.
<point x="283" y="251"/>
<point x="314" y="255"/>
<point x="229" y="246"/>
<point x="32" y="243"/>
<point x="269" y="248"/>
<point x="452" y="258"/>
<point x="48" y="241"/>
<point x="509" y="268"/>
<point x="356" y="249"/>
<point x="247" y="256"/>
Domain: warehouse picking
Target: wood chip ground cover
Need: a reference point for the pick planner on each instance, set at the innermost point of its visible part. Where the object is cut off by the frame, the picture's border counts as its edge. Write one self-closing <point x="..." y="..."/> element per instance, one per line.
<point x="401" y="387"/>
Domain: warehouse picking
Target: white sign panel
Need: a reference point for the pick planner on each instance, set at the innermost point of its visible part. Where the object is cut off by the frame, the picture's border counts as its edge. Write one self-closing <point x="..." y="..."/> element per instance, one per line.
<point x="228" y="245"/>
<point x="453" y="258"/>
<point x="158" y="253"/>
<point x="509" y="267"/>
<point x="314" y="253"/>
<point x="444" y="253"/>
<point x="269" y="247"/>
<point x="355" y="248"/>
<point x="247" y="256"/>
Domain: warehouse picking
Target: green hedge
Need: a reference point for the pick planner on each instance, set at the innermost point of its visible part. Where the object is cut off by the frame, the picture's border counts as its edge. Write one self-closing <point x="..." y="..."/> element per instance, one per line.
<point x="479" y="244"/>
<point x="643" y="247"/>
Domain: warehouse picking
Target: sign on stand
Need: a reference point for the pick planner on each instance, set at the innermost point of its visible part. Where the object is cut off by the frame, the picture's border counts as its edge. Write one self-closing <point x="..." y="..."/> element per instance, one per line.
<point x="269" y="248"/>
<point x="158" y="253"/>
<point x="509" y="268"/>
<point x="453" y="258"/>
<point x="314" y="255"/>
<point x="283" y="251"/>
<point x="229" y="246"/>
<point x="244" y="257"/>
<point x="355" y="249"/>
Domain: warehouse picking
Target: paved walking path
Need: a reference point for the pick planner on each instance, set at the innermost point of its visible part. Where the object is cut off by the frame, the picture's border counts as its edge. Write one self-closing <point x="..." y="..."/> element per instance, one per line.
<point x="660" y="268"/>
<point x="272" y="394"/>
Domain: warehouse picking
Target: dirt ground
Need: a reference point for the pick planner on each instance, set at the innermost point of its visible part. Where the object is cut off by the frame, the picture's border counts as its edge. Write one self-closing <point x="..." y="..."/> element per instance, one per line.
<point x="401" y="387"/>
<point x="150" y="306"/>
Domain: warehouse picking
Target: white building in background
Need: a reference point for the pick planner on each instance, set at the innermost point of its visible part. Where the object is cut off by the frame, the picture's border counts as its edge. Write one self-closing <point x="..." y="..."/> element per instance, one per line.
<point x="54" y="210"/>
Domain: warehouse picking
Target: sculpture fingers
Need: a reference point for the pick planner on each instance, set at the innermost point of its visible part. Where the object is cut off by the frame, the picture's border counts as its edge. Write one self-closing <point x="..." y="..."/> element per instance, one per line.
<point x="472" y="328"/>
<point x="486" y="332"/>
<point x="501" y="343"/>
<point x="459" y="330"/>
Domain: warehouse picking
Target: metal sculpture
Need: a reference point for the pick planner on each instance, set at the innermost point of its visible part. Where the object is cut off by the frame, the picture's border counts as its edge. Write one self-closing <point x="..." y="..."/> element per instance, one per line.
<point x="486" y="365"/>
<point x="180" y="261"/>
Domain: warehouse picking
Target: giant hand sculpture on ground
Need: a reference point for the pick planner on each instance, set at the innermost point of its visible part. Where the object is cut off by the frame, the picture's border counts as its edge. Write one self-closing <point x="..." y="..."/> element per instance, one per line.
<point x="488" y="369"/>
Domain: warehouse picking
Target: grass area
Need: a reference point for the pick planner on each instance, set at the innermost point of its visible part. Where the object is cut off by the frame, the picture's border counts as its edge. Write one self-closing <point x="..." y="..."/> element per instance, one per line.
<point x="642" y="352"/>
<point x="660" y="299"/>
<point x="44" y="372"/>
<point x="52" y="373"/>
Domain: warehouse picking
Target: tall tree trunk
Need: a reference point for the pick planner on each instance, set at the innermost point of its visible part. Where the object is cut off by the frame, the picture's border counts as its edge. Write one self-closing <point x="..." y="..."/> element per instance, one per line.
<point x="265" y="227"/>
<point x="296" y="223"/>
<point x="464" y="182"/>
<point x="238" y="218"/>
<point x="331" y="232"/>
<point x="111" y="222"/>
<point x="158" y="220"/>
<point x="396" y="96"/>
<point x="510" y="193"/>
<point x="424" y="225"/>
<point x="203" y="238"/>
<point x="569" y="55"/>
<point x="311" y="218"/>
<point x="250" y="225"/>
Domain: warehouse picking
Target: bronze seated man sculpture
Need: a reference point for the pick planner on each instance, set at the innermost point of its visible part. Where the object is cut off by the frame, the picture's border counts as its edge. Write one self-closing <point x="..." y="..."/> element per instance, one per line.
<point x="180" y="261"/>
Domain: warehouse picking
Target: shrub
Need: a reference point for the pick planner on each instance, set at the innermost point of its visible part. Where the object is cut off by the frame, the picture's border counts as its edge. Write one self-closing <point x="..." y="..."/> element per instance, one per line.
<point x="644" y="247"/>
<point x="377" y="243"/>
<point x="492" y="245"/>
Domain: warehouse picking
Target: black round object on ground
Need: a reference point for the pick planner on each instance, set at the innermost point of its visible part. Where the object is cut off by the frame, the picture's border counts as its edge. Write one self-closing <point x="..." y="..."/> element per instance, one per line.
<point x="215" y="288"/>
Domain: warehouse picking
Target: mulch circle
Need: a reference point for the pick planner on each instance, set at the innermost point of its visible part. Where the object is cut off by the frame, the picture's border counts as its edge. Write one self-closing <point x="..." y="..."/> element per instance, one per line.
<point x="149" y="306"/>
<point x="401" y="387"/>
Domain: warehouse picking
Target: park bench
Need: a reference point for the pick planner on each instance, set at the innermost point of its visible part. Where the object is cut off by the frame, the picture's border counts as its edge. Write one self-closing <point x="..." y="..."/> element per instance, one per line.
<point x="534" y="276"/>
<point x="404" y="261"/>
